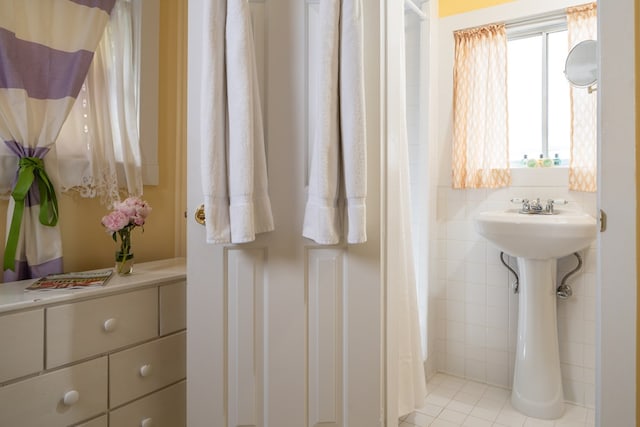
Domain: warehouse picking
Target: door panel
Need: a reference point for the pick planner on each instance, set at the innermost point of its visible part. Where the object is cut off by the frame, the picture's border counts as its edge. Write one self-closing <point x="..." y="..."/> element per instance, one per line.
<point x="283" y="332"/>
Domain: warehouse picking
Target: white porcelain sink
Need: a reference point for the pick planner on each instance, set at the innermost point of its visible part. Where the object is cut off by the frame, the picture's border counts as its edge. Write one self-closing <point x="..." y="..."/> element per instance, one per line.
<point x="537" y="236"/>
<point x="537" y="240"/>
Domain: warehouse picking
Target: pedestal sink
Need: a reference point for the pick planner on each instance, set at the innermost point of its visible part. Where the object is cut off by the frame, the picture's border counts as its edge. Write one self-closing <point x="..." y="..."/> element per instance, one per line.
<point x="537" y="240"/>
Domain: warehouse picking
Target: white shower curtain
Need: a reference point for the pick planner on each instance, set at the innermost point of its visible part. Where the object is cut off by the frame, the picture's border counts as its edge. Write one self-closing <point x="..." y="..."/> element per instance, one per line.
<point x="405" y="364"/>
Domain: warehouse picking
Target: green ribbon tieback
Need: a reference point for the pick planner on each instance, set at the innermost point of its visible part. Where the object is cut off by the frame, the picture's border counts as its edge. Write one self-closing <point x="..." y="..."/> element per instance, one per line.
<point x="28" y="169"/>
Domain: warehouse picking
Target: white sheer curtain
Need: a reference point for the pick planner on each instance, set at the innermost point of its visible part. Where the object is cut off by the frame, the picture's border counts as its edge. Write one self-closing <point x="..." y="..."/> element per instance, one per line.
<point x="98" y="148"/>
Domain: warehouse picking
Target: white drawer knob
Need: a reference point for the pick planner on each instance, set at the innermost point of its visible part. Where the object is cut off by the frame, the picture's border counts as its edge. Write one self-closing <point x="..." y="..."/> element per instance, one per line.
<point x="71" y="397"/>
<point x="147" y="422"/>
<point x="145" y="370"/>
<point x="109" y="325"/>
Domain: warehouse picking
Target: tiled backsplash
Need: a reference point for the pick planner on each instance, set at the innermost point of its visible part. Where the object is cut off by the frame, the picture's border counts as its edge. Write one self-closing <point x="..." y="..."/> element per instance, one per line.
<point x="472" y="302"/>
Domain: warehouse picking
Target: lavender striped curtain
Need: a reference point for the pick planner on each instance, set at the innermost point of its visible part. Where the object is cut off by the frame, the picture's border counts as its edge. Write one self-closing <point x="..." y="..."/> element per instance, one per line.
<point x="46" y="47"/>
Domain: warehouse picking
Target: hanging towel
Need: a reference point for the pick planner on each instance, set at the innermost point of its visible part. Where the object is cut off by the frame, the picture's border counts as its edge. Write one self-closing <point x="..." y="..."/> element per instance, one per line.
<point x="233" y="162"/>
<point x="338" y="159"/>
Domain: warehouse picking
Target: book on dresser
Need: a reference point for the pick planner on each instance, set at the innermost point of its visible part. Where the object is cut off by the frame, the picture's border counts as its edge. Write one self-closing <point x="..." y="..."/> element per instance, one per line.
<point x="79" y="280"/>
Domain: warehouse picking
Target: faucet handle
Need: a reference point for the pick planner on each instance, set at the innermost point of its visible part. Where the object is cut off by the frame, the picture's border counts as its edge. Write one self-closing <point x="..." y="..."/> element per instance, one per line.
<point x="525" y="206"/>
<point x="552" y="202"/>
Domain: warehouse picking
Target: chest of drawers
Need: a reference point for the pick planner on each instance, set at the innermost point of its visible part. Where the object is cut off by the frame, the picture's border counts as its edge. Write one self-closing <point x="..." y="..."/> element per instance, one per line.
<point x="102" y="357"/>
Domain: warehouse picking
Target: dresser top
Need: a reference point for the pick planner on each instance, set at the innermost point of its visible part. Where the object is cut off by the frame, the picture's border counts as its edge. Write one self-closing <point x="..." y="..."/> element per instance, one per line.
<point x="13" y="295"/>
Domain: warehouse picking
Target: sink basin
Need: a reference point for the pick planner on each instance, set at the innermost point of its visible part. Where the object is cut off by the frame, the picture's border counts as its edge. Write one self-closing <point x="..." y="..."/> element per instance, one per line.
<point x="537" y="241"/>
<point x="537" y="236"/>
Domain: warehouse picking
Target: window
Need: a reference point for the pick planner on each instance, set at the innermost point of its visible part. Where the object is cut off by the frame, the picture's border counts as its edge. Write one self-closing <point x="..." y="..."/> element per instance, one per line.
<point x="538" y="92"/>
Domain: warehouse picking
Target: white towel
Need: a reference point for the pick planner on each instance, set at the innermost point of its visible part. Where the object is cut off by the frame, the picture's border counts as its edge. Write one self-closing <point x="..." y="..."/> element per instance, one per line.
<point x="233" y="163"/>
<point x="339" y="146"/>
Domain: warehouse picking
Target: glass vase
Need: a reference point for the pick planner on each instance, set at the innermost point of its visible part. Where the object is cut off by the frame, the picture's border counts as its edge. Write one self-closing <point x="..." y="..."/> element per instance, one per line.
<point x="124" y="263"/>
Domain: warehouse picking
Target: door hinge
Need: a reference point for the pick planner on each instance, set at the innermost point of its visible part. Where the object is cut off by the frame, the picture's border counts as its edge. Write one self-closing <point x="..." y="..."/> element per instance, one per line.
<point x="603" y="221"/>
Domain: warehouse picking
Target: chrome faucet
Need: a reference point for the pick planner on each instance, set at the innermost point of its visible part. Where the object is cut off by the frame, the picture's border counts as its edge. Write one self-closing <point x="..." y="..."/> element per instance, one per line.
<point x="535" y="206"/>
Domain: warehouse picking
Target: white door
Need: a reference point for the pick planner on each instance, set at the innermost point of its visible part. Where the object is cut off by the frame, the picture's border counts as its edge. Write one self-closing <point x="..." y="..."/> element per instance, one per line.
<point x="616" y="340"/>
<point x="283" y="332"/>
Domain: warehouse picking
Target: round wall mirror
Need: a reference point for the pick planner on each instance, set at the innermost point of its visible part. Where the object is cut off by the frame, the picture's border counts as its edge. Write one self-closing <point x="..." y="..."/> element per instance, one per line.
<point x="581" y="67"/>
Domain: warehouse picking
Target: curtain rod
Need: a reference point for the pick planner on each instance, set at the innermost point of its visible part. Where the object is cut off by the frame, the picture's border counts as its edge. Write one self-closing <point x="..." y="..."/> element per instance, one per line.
<point x="415" y="9"/>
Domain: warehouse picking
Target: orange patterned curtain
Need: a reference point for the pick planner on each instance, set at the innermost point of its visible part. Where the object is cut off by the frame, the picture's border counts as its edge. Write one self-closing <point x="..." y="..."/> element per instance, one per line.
<point x="582" y="25"/>
<point x="480" y="131"/>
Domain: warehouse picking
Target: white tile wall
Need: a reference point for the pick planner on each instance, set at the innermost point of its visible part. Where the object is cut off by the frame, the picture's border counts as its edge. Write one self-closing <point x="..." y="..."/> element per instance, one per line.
<point x="476" y="315"/>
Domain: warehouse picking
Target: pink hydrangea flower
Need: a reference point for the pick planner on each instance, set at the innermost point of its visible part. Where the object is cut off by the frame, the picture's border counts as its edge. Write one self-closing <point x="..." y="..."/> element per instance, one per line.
<point x="115" y="221"/>
<point x="126" y="215"/>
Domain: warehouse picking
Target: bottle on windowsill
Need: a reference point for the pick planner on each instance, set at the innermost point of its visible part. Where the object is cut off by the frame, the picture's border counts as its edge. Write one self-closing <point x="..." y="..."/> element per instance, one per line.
<point x="545" y="162"/>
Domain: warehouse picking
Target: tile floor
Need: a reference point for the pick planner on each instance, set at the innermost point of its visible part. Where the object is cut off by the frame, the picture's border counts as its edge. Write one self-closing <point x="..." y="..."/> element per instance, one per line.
<point x="456" y="402"/>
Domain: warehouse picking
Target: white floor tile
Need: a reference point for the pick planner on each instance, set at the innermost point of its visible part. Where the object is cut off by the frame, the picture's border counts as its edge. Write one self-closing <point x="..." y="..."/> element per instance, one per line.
<point x="443" y="423"/>
<point x="474" y="388"/>
<point x="419" y="419"/>
<point x="431" y="409"/>
<point x="563" y="423"/>
<point x="437" y="400"/>
<point x="574" y="413"/>
<point x="459" y="406"/>
<point x="453" y="416"/>
<point x="476" y="422"/>
<point x="489" y="414"/>
<point x="510" y="417"/>
<point x="455" y="402"/>
<point x="498" y="394"/>
<point x="534" y="422"/>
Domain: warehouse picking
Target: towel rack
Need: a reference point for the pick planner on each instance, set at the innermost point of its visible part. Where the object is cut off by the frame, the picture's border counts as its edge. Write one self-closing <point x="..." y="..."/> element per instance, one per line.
<point x="415" y="9"/>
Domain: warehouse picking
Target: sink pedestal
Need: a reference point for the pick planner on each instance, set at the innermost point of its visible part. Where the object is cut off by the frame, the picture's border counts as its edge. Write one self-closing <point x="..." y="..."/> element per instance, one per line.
<point x="537" y="382"/>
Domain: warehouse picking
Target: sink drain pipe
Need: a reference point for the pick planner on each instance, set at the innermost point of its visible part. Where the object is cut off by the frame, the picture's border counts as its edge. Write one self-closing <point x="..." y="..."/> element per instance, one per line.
<point x="516" y="283"/>
<point x="563" y="292"/>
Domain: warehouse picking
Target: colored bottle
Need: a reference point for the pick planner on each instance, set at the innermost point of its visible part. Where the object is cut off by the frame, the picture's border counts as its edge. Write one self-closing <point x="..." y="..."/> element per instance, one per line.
<point x="556" y="160"/>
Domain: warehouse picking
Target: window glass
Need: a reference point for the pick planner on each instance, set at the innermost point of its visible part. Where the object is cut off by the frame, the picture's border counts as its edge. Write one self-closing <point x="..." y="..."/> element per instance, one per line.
<point x="559" y="103"/>
<point x="538" y="96"/>
<point x="524" y="88"/>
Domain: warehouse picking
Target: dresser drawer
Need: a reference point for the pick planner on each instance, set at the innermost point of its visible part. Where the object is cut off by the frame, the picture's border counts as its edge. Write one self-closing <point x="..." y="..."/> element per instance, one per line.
<point x="83" y="329"/>
<point x="140" y="370"/>
<point x="173" y="308"/>
<point x="39" y="401"/>
<point x="96" y="422"/>
<point x="165" y="408"/>
<point x="21" y="344"/>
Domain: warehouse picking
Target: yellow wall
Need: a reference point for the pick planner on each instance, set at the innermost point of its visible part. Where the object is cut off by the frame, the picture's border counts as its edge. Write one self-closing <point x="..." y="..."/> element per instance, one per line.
<point x="84" y="242"/>
<point x="637" y="59"/>
<point x="453" y="7"/>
